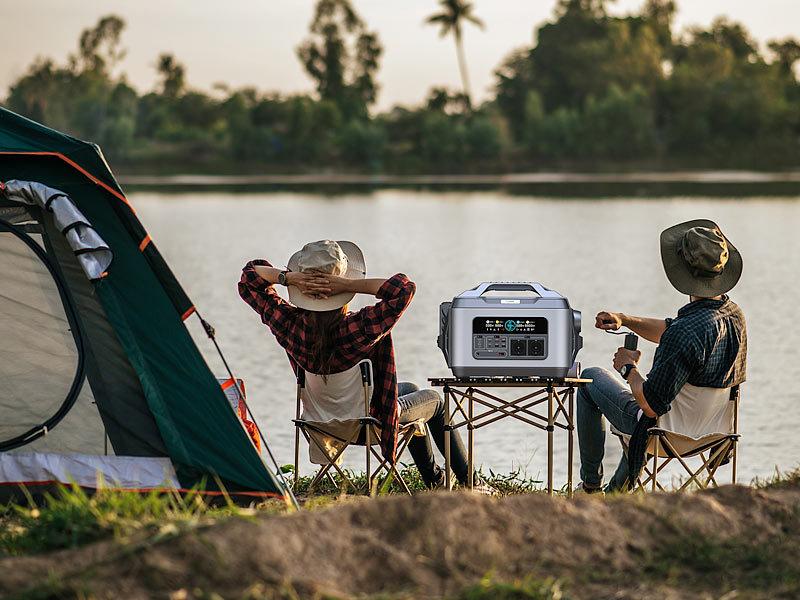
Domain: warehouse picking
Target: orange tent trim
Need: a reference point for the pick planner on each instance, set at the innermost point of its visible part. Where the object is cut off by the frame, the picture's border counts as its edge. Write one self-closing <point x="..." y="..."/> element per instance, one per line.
<point x="77" y="167"/>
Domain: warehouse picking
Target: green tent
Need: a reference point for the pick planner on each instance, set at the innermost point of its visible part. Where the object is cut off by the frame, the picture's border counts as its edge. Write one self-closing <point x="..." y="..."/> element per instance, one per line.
<point x="98" y="373"/>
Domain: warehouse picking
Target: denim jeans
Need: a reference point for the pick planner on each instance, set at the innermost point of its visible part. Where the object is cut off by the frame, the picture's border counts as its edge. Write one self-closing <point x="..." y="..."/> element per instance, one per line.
<point x="429" y="405"/>
<point x="605" y="397"/>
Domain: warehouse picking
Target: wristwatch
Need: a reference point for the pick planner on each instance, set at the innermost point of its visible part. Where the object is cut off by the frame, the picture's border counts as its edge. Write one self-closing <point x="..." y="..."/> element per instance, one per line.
<point x="626" y="369"/>
<point x="282" y="277"/>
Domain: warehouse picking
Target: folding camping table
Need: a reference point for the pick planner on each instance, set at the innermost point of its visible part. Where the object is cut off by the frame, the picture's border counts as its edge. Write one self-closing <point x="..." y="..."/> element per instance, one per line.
<point x="555" y="396"/>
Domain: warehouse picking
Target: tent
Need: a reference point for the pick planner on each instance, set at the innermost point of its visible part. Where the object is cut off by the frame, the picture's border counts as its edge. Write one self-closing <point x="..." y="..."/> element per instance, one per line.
<point x="100" y="380"/>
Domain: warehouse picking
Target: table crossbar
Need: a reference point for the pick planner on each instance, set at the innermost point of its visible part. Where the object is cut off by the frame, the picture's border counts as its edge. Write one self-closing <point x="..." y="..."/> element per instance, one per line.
<point x="556" y="395"/>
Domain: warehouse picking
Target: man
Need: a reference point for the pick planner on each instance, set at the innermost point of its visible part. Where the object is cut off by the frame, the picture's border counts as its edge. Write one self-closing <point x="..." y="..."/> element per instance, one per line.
<point x="700" y="354"/>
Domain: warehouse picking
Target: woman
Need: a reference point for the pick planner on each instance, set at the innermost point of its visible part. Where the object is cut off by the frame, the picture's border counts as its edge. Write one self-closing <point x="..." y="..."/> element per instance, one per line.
<point x="322" y="337"/>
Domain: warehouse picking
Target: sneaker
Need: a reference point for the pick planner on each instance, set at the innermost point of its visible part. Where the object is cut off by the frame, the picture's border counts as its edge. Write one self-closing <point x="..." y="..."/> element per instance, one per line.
<point x="439" y="481"/>
<point x="581" y="489"/>
<point x="479" y="486"/>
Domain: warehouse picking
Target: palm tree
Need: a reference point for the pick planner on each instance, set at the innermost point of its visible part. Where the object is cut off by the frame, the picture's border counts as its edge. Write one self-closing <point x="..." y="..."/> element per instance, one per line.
<point x="450" y="19"/>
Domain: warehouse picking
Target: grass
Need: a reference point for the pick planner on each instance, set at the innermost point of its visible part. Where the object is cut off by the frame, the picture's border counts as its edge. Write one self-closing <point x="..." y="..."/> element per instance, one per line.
<point x="753" y="565"/>
<point x="516" y="482"/>
<point x="71" y="518"/>
<point x="788" y="479"/>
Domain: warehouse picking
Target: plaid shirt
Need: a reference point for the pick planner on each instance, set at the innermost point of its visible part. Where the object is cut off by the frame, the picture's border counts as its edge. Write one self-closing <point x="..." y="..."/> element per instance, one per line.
<point x="364" y="334"/>
<point x="706" y="346"/>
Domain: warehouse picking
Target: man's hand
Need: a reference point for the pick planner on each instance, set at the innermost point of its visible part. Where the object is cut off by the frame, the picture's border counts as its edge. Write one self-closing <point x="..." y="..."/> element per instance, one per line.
<point x="608" y="321"/>
<point x="625" y="356"/>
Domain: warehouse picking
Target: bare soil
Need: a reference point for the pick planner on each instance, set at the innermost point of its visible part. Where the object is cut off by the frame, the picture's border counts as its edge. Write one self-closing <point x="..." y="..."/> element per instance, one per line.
<point x="435" y="545"/>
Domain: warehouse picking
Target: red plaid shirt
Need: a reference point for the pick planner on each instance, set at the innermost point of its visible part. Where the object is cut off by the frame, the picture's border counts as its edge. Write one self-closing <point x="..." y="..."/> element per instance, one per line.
<point x="364" y="334"/>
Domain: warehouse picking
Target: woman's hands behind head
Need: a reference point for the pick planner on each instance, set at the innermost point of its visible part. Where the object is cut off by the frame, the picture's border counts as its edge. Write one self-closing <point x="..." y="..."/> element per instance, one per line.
<point x="314" y="285"/>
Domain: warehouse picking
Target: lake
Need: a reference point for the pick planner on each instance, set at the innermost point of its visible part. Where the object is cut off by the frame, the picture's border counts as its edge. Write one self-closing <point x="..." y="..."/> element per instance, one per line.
<point x="601" y="253"/>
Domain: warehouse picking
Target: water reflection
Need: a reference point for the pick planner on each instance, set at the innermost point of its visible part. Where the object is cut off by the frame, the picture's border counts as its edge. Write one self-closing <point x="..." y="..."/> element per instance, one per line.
<point x="599" y="253"/>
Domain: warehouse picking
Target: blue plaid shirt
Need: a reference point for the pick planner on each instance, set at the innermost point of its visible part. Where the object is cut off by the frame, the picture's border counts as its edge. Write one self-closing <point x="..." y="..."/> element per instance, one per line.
<point x="705" y="346"/>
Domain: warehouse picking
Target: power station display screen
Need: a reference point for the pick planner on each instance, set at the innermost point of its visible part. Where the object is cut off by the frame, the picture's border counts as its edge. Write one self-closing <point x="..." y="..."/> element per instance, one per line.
<point x="505" y="325"/>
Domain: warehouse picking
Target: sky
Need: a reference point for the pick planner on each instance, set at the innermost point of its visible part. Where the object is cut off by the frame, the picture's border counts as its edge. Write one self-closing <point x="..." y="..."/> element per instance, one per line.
<point x="252" y="42"/>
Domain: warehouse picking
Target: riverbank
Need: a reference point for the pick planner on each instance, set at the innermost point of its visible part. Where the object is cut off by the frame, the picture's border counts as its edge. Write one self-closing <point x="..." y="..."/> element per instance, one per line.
<point x="645" y="183"/>
<point x="732" y="542"/>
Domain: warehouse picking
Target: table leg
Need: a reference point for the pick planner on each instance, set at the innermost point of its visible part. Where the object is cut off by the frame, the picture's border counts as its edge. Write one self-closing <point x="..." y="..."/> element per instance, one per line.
<point x="550" y="428"/>
<point x="470" y="458"/>
<point x="571" y="438"/>
<point x="447" y="424"/>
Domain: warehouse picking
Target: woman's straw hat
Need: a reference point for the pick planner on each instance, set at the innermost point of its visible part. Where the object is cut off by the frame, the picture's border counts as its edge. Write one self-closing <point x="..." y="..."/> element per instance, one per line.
<point x="699" y="260"/>
<point x="341" y="258"/>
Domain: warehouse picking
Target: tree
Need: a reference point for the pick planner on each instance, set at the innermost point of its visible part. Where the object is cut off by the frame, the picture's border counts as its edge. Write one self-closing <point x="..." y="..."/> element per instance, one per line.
<point x="788" y="52"/>
<point x="342" y="57"/>
<point x="440" y="99"/>
<point x="98" y="47"/>
<point x="172" y="75"/>
<point x="660" y="13"/>
<point x="454" y="12"/>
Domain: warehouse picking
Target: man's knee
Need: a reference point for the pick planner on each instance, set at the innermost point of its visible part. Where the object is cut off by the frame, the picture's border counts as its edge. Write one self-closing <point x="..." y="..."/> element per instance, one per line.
<point x="584" y="395"/>
<point x="593" y="373"/>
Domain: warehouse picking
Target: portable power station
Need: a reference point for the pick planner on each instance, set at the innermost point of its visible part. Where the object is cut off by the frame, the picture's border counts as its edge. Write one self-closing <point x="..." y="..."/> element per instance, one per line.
<point x="494" y="331"/>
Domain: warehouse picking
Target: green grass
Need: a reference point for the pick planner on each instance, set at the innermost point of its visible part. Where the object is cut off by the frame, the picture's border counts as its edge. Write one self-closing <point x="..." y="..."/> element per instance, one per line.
<point x="515" y="482"/>
<point x="787" y="479"/>
<point x="72" y="518"/>
<point x="711" y="562"/>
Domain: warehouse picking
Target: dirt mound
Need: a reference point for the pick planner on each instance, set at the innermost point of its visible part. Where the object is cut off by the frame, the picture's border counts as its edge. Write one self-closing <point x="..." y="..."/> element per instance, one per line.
<point x="435" y="544"/>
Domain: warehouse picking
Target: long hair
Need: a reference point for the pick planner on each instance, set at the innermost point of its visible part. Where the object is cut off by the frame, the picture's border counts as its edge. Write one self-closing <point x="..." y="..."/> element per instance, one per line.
<point x="323" y="325"/>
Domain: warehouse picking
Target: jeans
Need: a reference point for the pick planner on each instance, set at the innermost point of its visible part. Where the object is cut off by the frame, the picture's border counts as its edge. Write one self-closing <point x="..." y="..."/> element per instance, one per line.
<point x="605" y="397"/>
<point x="429" y="405"/>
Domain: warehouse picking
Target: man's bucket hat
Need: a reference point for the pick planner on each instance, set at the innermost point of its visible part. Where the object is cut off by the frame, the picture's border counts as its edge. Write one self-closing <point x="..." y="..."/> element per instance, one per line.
<point x="341" y="258"/>
<point x="699" y="260"/>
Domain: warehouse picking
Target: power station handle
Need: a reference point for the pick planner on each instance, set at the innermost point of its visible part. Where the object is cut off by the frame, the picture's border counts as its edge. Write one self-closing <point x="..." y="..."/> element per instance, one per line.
<point x="631" y="341"/>
<point x="515" y="286"/>
<point x="443" y="340"/>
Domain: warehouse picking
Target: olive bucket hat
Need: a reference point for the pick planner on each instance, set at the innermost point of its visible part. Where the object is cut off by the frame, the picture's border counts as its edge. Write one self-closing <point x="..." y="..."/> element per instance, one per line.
<point x="699" y="260"/>
<point x="341" y="258"/>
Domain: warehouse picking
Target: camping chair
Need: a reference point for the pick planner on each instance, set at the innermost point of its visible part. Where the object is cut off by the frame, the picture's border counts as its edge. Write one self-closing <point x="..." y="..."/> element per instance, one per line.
<point x="711" y="436"/>
<point x="336" y="416"/>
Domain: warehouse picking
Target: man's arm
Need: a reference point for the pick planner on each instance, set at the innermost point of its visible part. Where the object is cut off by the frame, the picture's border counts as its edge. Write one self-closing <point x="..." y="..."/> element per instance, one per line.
<point x="648" y="328"/>
<point x="635" y="378"/>
<point x="636" y="381"/>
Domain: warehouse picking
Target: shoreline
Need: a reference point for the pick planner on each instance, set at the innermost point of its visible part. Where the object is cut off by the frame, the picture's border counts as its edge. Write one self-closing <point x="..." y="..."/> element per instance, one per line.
<point x="711" y="176"/>
<point x="715" y="183"/>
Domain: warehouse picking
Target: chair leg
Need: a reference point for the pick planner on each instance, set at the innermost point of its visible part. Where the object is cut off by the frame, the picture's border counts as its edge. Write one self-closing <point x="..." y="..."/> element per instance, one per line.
<point x="391" y="468"/>
<point x="296" y="456"/>
<point x="331" y="460"/>
<point x="297" y="438"/>
<point x="693" y="475"/>
<point x="655" y="463"/>
<point x="714" y="460"/>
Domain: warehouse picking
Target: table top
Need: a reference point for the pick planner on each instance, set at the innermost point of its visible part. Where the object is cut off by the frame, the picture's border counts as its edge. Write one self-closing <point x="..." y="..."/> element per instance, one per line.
<point x="508" y="381"/>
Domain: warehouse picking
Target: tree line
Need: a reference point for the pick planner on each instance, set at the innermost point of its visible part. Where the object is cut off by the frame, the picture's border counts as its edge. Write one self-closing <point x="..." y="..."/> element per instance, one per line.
<point x="594" y="91"/>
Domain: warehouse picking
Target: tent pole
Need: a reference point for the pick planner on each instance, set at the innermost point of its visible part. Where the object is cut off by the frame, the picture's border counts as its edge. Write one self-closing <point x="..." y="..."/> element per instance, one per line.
<point x="212" y="335"/>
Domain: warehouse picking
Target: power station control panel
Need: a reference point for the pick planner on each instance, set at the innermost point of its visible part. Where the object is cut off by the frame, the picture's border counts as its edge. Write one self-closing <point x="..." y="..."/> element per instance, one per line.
<point x="517" y="338"/>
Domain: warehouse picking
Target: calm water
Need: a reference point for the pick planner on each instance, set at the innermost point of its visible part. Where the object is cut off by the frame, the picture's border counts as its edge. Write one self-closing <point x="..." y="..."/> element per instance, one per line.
<point x="600" y="254"/>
